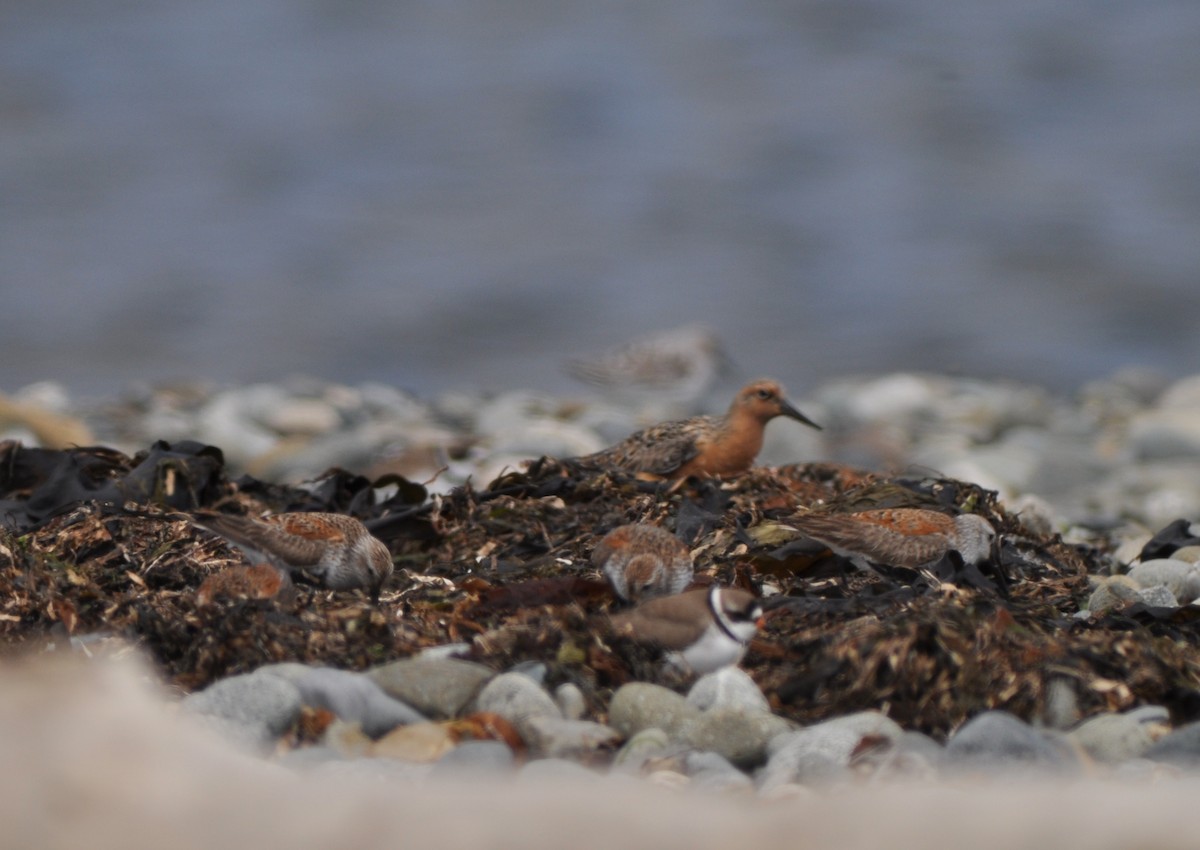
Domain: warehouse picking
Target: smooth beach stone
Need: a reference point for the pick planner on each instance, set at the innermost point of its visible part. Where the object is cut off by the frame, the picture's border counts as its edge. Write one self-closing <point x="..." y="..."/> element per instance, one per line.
<point x="1112" y="738"/>
<point x="1180" y="748"/>
<point x="252" y="709"/>
<point x="822" y="753"/>
<point x="643" y="705"/>
<point x="1111" y="594"/>
<point x="647" y="744"/>
<point x="534" y="670"/>
<point x="996" y="740"/>
<point x="556" y="737"/>
<point x="570" y="700"/>
<point x="1181" y="578"/>
<point x="518" y="699"/>
<point x="713" y="772"/>
<point x="353" y="697"/>
<point x="727" y="688"/>
<point x="1158" y="596"/>
<point x="475" y="758"/>
<point x="436" y="687"/>
<point x="808" y="756"/>
<point x="740" y="736"/>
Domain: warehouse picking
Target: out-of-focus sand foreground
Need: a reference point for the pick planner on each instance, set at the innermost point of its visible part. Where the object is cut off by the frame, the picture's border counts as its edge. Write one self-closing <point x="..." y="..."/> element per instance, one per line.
<point x="96" y="756"/>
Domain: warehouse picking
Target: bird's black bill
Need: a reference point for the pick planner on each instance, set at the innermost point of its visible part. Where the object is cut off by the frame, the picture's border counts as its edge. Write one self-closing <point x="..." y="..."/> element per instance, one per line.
<point x="793" y="413"/>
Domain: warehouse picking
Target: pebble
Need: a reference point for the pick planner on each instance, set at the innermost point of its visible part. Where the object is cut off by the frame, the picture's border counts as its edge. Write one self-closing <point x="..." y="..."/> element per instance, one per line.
<point x="570" y="701"/>
<point x="519" y="700"/>
<point x="710" y="771"/>
<point x="475" y="758"/>
<point x="642" y="705"/>
<point x="1180" y="748"/>
<point x="353" y="697"/>
<point x="252" y="709"/>
<point x="740" y="736"/>
<point x="556" y="737"/>
<point x="1112" y="593"/>
<point x="437" y="687"/>
<point x="727" y="688"/>
<point x="1181" y="578"/>
<point x="1114" y="738"/>
<point x="821" y="753"/>
<point x="650" y="743"/>
<point x="997" y="741"/>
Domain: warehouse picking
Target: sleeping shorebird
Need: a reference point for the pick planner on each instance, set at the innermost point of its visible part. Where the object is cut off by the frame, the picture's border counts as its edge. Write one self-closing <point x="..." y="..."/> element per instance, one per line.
<point x="642" y="561"/>
<point x="702" y="445"/>
<point x="674" y="368"/>
<point x="335" y="549"/>
<point x="703" y="630"/>
<point x="899" y="537"/>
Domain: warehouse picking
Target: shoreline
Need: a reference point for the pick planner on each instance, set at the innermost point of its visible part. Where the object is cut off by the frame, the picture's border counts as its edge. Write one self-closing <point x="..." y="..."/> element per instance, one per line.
<point x="494" y="607"/>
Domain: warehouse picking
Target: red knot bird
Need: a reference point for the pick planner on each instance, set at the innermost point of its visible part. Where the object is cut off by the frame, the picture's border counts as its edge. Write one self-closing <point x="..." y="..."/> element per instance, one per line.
<point x="643" y="561"/>
<point x="702" y="445"/>
<point x="334" y="549"/>
<point x="899" y="537"/>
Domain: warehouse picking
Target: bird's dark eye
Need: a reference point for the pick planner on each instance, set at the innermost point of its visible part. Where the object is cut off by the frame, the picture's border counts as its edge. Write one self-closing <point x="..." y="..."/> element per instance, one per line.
<point x="765" y="395"/>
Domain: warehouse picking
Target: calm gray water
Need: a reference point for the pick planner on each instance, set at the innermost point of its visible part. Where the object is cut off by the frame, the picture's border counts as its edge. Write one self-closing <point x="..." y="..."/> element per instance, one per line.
<point x="463" y="194"/>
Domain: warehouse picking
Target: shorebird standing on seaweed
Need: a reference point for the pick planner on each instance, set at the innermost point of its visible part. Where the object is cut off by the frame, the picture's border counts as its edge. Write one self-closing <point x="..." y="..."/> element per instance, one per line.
<point x="643" y="561"/>
<point x="702" y="445"/>
<point x="899" y="537"/>
<point x="334" y="549"/>
<point x="703" y="630"/>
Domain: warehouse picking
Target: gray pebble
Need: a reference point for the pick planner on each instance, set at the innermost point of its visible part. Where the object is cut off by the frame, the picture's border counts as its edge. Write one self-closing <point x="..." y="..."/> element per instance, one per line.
<point x="252" y="709"/>
<point x="728" y="688"/>
<point x="642" y="705"/>
<point x="535" y="670"/>
<point x="1180" y="748"/>
<point x="740" y="736"/>
<point x="998" y="740"/>
<point x="555" y="737"/>
<point x="821" y="753"/>
<point x="1111" y="594"/>
<point x="445" y="650"/>
<point x="353" y="697"/>
<point x="570" y="700"/>
<point x="475" y="758"/>
<point x="808" y="757"/>
<point x="518" y="699"/>
<point x="645" y="745"/>
<point x="713" y="772"/>
<point x="1158" y="596"/>
<point x="436" y="687"/>
<point x="1112" y="738"/>
<point x="1180" y="577"/>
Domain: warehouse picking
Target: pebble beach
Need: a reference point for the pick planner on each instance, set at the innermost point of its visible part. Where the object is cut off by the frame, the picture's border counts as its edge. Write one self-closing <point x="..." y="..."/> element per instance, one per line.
<point x="1098" y="471"/>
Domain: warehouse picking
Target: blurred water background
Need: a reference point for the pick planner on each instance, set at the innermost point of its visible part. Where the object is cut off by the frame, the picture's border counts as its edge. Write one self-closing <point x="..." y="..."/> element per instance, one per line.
<point x="463" y="194"/>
